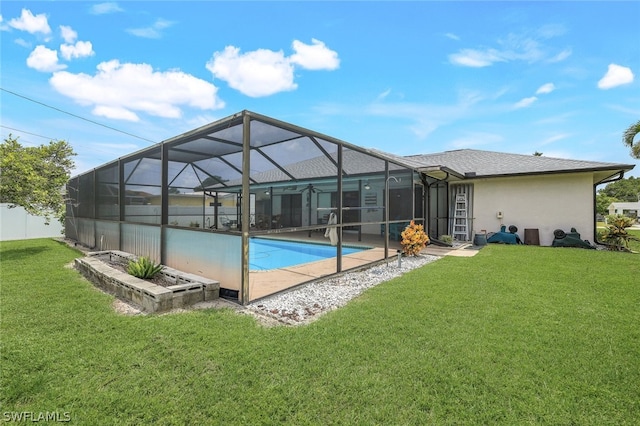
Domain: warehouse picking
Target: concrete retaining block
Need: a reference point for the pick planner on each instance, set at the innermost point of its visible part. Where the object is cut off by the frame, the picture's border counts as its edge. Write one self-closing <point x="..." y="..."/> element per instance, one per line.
<point x="188" y="290"/>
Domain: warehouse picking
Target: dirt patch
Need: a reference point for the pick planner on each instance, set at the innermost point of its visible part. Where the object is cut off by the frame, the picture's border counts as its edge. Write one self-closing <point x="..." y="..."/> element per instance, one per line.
<point x="125" y="308"/>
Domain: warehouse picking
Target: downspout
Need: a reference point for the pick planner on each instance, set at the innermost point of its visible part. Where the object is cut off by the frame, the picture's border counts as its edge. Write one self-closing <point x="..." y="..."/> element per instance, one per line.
<point x="620" y="176"/>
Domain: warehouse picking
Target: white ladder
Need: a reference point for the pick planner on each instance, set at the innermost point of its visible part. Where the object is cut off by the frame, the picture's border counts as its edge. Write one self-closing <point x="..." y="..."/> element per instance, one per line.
<point x="460" y="218"/>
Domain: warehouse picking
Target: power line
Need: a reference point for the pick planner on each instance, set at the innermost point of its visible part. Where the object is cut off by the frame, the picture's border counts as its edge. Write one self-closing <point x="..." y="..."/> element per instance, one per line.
<point x="28" y="133"/>
<point x="76" y="116"/>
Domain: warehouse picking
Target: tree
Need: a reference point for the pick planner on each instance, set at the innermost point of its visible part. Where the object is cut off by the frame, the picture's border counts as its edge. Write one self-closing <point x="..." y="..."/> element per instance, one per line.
<point x="628" y="137"/>
<point x="34" y="177"/>
<point x="603" y="201"/>
<point x="623" y="190"/>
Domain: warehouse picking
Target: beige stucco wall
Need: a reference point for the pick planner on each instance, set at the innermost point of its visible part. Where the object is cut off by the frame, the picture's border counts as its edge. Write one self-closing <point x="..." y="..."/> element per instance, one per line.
<point x="545" y="202"/>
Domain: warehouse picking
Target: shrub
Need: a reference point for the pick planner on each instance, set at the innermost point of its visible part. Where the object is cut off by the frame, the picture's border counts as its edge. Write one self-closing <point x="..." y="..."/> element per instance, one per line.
<point x="414" y="239"/>
<point x="615" y="235"/>
<point x="143" y="268"/>
<point x="446" y="239"/>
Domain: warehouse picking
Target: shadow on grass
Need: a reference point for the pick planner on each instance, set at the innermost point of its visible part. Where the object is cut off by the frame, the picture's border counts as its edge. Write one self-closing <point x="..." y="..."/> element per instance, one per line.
<point x="21" y="253"/>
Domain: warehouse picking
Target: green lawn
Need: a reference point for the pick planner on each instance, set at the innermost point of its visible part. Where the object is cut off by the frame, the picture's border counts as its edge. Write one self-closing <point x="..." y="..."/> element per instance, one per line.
<point x="515" y="335"/>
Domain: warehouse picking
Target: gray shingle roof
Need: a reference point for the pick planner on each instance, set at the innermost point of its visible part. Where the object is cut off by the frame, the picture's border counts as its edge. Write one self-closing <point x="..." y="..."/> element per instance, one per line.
<point x="489" y="163"/>
<point x="463" y="162"/>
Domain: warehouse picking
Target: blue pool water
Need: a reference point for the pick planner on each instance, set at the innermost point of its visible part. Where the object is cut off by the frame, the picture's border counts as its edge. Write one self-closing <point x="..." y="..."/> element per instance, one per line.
<point x="265" y="254"/>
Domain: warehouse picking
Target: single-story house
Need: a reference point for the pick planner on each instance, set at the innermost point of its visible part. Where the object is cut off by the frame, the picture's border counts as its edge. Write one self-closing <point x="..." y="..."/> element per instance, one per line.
<point x="527" y="191"/>
<point x="631" y="209"/>
<point x="260" y="179"/>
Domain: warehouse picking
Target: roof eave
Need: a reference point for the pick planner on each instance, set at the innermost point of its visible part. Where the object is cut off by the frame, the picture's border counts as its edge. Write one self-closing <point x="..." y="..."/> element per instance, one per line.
<point x="612" y="168"/>
<point x="442" y="169"/>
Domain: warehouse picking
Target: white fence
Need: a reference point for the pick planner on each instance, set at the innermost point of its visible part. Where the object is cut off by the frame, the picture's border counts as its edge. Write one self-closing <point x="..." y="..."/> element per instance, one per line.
<point x="17" y="224"/>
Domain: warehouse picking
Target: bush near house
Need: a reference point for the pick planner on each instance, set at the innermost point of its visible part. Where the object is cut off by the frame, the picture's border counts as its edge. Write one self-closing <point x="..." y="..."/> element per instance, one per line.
<point x="414" y="239"/>
<point x="616" y="235"/>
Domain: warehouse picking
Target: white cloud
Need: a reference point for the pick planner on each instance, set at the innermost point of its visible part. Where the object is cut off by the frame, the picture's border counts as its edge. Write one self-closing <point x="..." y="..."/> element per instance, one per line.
<point x="104" y="8"/>
<point x="384" y="94"/>
<point x="258" y="73"/>
<point x="513" y="47"/>
<point x="561" y="56"/>
<point x="264" y="72"/>
<point x="201" y="120"/>
<point x="22" y="42"/>
<point x="555" y="119"/>
<point x="68" y="34"/>
<point x="315" y="56"/>
<point x="44" y="59"/>
<point x="118" y="91"/>
<point x="426" y="118"/>
<point x="616" y="76"/>
<point x="550" y="31"/>
<point x="554" y="138"/>
<point x="634" y="112"/>
<point x="546" y="88"/>
<point x="153" y="31"/>
<point x="523" y="103"/>
<point x="452" y="36"/>
<point x="115" y="113"/>
<point x="476" y="58"/>
<point x="31" y="23"/>
<point x="79" y="50"/>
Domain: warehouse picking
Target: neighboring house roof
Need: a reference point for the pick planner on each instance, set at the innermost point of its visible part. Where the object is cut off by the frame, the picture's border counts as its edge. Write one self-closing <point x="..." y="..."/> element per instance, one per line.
<point x="476" y="163"/>
<point x="625" y="205"/>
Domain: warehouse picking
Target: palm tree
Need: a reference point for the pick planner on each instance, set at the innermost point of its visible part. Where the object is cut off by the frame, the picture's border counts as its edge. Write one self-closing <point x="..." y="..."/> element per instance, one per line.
<point x="628" y="137"/>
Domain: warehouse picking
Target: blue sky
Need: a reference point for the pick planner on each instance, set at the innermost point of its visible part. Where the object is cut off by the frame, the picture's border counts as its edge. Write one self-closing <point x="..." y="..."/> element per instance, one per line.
<point x="561" y="78"/>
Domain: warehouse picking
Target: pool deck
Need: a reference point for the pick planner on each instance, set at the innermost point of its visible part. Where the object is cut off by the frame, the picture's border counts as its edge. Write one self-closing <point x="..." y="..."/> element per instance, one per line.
<point x="264" y="283"/>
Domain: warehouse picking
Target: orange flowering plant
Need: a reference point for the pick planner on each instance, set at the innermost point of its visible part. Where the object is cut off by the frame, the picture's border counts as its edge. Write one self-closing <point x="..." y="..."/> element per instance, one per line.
<point x="414" y="239"/>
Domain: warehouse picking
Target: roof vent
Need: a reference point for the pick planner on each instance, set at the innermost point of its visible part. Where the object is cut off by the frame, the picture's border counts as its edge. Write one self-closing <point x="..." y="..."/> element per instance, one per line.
<point x="469" y="174"/>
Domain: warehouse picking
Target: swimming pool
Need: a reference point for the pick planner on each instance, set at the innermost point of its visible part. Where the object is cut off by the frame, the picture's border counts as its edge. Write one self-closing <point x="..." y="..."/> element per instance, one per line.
<point x="265" y="254"/>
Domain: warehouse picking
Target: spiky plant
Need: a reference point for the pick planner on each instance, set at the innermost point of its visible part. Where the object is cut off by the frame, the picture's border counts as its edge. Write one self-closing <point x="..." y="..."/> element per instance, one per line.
<point x="616" y="235"/>
<point x="143" y="268"/>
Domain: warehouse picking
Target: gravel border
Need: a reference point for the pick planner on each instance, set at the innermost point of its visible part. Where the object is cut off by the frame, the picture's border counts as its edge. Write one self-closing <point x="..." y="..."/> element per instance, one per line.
<point x="303" y="304"/>
<point x="306" y="303"/>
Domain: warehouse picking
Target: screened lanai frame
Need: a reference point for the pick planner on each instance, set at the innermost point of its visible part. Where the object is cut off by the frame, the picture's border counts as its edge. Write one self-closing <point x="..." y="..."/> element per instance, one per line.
<point x="180" y="202"/>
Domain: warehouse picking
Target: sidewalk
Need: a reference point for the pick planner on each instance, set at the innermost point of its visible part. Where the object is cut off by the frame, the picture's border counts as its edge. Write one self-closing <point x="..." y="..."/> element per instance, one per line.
<point x="463" y="250"/>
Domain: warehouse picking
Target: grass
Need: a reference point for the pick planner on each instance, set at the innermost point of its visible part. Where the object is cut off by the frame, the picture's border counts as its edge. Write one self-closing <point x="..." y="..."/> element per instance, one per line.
<point x="514" y="335"/>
